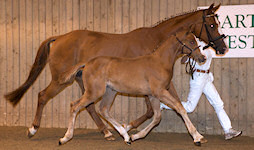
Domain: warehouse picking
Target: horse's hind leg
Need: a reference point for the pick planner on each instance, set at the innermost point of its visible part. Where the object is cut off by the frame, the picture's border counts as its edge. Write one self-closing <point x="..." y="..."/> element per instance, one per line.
<point x="156" y="120"/>
<point x="149" y="113"/>
<point x="43" y="97"/>
<point x="91" y="110"/>
<point x="104" y="111"/>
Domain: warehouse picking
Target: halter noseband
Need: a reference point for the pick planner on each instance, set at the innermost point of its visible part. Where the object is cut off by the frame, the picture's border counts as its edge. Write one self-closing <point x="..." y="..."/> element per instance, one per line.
<point x="210" y="39"/>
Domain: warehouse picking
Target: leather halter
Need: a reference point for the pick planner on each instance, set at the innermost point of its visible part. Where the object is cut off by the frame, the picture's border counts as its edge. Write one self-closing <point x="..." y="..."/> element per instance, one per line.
<point x="210" y="39"/>
<point x="185" y="46"/>
<point x="191" y="65"/>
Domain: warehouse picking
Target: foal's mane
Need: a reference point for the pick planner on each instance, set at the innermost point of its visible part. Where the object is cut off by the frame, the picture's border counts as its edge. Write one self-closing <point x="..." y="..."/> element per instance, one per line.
<point x="174" y="16"/>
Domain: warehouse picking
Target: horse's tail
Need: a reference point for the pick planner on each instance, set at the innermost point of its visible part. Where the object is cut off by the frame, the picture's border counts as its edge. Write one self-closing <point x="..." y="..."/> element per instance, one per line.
<point x="40" y="62"/>
<point x="66" y="76"/>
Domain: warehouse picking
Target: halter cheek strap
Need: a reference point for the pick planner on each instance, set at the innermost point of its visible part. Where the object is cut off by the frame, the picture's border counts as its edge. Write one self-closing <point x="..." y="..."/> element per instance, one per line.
<point x="209" y="37"/>
<point x="189" y="63"/>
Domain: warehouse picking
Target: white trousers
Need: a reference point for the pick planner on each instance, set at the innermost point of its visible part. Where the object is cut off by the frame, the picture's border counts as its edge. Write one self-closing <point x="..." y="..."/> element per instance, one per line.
<point x="203" y="83"/>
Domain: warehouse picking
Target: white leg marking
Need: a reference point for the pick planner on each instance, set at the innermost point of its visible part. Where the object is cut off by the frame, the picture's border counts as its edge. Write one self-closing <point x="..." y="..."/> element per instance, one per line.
<point x="32" y="130"/>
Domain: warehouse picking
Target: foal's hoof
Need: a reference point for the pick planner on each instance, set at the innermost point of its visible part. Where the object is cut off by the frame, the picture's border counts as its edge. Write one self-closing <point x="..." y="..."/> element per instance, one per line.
<point x="29" y="135"/>
<point x="203" y="140"/>
<point x="197" y="143"/>
<point x="61" y="142"/>
<point x="128" y="142"/>
<point x="110" y="138"/>
<point x="64" y="140"/>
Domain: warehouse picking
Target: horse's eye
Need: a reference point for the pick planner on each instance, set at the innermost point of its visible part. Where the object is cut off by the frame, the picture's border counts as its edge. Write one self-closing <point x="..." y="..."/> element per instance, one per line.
<point x="211" y="25"/>
<point x="192" y="42"/>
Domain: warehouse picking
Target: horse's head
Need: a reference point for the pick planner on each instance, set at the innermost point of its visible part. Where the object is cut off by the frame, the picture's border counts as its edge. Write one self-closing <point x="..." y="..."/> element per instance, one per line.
<point x="207" y="30"/>
<point x="189" y="46"/>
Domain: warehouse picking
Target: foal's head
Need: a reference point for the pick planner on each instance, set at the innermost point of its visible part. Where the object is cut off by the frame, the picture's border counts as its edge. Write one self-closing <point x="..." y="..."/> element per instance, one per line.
<point x="207" y="30"/>
<point x="190" y="47"/>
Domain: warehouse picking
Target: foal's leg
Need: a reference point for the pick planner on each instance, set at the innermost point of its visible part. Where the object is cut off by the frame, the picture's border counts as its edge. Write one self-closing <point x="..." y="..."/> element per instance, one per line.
<point x="156" y="120"/>
<point x="43" y="97"/>
<point x="149" y="112"/>
<point x="84" y="101"/>
<point x="170" y="101"/>
<point x="104" y="111"/>
<point x="91" y="110"/>
<point x="142" y="119"/>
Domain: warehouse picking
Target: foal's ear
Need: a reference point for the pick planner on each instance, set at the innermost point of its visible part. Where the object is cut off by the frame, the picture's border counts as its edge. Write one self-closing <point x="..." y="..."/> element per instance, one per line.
<point x="192" y="28"/>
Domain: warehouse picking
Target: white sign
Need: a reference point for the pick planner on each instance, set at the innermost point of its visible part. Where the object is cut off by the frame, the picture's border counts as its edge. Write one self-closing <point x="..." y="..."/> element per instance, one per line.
<point x="237" y="22"/>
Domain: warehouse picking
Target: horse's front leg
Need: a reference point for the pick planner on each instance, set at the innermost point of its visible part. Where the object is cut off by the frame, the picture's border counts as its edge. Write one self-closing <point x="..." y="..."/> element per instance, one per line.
<point x="156" y="120"/>
<point x="91" y="110"/>
<point x="166" y="98"/>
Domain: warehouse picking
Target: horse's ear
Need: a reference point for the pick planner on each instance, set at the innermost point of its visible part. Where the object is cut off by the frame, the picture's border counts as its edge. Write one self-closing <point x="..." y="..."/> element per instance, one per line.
<point x="210" y="8"/>
<point x="216" y="8"/>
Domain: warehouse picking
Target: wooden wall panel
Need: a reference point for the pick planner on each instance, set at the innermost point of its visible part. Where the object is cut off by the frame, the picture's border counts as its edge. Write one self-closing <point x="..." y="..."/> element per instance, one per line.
<point x="25" y="24"/>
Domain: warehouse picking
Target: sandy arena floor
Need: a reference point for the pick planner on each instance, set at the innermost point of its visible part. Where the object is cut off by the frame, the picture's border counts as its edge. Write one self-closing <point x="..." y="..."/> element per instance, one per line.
<point x="14" y="138"/>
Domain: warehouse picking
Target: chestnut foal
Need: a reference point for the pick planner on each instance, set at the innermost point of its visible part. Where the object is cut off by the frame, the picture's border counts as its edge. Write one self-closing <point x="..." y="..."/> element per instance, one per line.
<point x="145" y="75"/>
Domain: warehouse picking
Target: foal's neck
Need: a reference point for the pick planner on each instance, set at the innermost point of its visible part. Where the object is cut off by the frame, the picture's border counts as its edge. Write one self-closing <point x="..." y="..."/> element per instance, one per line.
<point x="168" y="51"/>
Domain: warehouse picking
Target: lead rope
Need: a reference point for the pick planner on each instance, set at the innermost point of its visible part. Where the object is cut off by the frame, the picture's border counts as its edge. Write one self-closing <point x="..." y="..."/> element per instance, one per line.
<point x="191" y="67"/>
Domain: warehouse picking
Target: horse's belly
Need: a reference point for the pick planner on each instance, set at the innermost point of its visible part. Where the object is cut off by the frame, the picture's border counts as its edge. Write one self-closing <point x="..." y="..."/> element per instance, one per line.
<point x="130" y="87"/>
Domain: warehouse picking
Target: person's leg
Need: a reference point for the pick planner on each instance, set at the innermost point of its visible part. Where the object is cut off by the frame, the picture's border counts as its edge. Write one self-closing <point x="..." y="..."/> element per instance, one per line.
<point x="215" y="100"/>
<point x="196" y="89"/>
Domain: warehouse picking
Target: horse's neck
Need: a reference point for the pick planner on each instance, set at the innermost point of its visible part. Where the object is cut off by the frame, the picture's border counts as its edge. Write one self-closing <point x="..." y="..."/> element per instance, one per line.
<point x="173" y="25"/>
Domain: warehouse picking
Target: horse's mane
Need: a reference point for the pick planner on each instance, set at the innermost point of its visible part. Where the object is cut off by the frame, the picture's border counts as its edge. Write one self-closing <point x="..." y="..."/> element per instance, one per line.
<point x="174" y="16"/>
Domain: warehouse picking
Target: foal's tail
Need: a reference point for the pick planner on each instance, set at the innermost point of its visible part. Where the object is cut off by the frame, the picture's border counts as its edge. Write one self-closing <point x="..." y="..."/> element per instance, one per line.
<point x="67" y="75"/>
<point x="40" y="62"/>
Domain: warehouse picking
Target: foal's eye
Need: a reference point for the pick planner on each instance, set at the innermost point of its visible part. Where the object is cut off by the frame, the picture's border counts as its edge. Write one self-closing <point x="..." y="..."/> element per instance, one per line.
<point x="211" y="25"/>
<point x="192" y="42"/>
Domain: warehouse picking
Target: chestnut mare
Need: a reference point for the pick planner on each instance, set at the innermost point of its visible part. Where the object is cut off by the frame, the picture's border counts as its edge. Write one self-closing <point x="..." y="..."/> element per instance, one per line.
<point x="145" y="75"/>
<point x="82" y="45"/>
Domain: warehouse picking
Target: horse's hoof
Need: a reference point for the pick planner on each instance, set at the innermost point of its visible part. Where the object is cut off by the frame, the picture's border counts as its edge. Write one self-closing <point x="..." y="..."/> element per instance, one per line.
<point x="128" y="142"/>
<point x="29" y="135"/>
<point x="203" y="140"/>
<point x="197" y="143"/>
<point x="60" y="143"/>
<point x="110" y="138"/>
